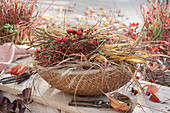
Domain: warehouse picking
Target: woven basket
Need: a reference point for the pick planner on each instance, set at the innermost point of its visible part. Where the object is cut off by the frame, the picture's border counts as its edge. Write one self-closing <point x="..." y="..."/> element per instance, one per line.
<point x="85" y="82"/>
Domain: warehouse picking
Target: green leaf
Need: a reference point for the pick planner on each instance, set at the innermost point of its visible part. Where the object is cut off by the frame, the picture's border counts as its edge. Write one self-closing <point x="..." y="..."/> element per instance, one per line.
<point x="7" y="26"/>
<point x="7" y="30"/>
<point x="16" y="31"/>
<point x="4" y="27"/>
<point x="127" y="101"/>
<point x="101" y="52"/>
<point x="11" y="31"/>
<point x="41" y="28"/>
<point x="11" y="26"/>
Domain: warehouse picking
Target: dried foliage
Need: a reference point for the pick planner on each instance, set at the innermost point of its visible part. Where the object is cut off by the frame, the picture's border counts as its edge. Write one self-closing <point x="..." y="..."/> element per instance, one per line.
<point x="157" y="29"/>
<point x="17" y="105"/>
<point x="156" y="36"/>
<point x="17" y="18"/>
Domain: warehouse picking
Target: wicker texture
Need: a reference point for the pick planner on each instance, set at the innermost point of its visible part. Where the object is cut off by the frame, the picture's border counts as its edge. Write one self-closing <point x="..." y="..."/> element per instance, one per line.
<point x="86" y="83"/>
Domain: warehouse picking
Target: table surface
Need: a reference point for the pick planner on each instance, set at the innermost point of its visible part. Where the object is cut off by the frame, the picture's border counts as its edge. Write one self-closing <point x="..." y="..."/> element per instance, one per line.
<point x="46" y="95"/>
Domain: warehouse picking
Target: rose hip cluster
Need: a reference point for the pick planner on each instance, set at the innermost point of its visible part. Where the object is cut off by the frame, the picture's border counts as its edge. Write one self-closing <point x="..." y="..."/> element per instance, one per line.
<point x="74" y="31"/>
<point x="76" y="42"/>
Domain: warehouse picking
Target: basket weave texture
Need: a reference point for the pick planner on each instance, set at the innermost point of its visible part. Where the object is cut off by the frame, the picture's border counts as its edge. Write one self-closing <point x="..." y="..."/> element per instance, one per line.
<point x="87" y="82"/>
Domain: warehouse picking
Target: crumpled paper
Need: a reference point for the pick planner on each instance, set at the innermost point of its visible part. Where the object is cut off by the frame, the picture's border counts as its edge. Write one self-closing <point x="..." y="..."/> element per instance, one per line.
<point x="10" y="53"/>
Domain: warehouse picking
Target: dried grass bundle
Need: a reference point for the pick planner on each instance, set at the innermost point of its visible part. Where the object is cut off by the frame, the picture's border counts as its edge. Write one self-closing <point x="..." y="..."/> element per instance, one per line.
<point x="17" y="18"/>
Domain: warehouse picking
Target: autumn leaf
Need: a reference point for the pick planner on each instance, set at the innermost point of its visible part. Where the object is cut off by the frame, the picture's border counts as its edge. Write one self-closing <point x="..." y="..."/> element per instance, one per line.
<point x="145" y="86"/>
<point x="154" y="98"/>
<point x="152" y="89"/>
<point x="86" y="13"/>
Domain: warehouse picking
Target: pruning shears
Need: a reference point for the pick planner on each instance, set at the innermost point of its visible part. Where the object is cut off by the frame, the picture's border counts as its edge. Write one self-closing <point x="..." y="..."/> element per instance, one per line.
<point x="89" y="103"/>
<point x="13" y="79"/>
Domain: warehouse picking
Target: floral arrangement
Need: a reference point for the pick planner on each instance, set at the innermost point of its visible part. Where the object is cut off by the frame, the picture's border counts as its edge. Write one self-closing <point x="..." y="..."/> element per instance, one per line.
<point x="75" y="43"/>
<point x="83" y="44"/>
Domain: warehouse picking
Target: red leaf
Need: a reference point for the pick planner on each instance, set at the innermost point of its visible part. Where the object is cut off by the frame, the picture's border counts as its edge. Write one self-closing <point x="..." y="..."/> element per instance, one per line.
<point x="4" y="100"/>
<point x="11" y="106"/>
<point x="152" y="89"/>
<point x="27" y="92"/>
<point x="17" y="71"/>
<point x="17" y="103"/>
<point x="21" y="96"/>
<point x="154" y="98"/>
<point x="22" y="110"/>
<point x="35" y="52"/>
<point x="14" y="70"/>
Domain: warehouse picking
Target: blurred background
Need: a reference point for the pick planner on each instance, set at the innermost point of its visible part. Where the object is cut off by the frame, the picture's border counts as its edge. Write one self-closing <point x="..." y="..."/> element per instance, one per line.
<point x="129" y="8"/>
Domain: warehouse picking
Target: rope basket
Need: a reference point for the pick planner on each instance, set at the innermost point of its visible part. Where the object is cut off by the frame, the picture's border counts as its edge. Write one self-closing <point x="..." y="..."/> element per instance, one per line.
<point x="87" y="82"/>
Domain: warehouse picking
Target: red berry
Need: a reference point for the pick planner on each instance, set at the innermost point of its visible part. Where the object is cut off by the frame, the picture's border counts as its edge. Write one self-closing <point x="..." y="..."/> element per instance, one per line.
<point x="91" y="43"/>
<point x="79" y="33"/>
<point x="135" y="92"/>
<point x="160" y="14"/>
<point x="149" y="18"/>
<point x="148" y="12"/>
<point x="143" y="40"/>
<point x="80" y="29"/>
<point x="74" y="31"/>
<point x="147" y="93"/>
<point x="61" y="43"/>
<point x="69" y="31"/>
<point x="99" y="42"/>
<point x="151" y="22"/>
<point x="152" y="81"/>
<point x="58" y="39"/>
<point x="137" y="77"/>
<point x="139" y="70"/>
<point x="161" y="83"/>
<point x="137" y="25"/>
<point x="165" y="25"/>
<point x="65" y="39"/>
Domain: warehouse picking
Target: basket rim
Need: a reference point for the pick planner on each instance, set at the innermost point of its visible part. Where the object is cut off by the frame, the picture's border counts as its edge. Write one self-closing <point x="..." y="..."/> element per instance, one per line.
<point x="71" y="71"/>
